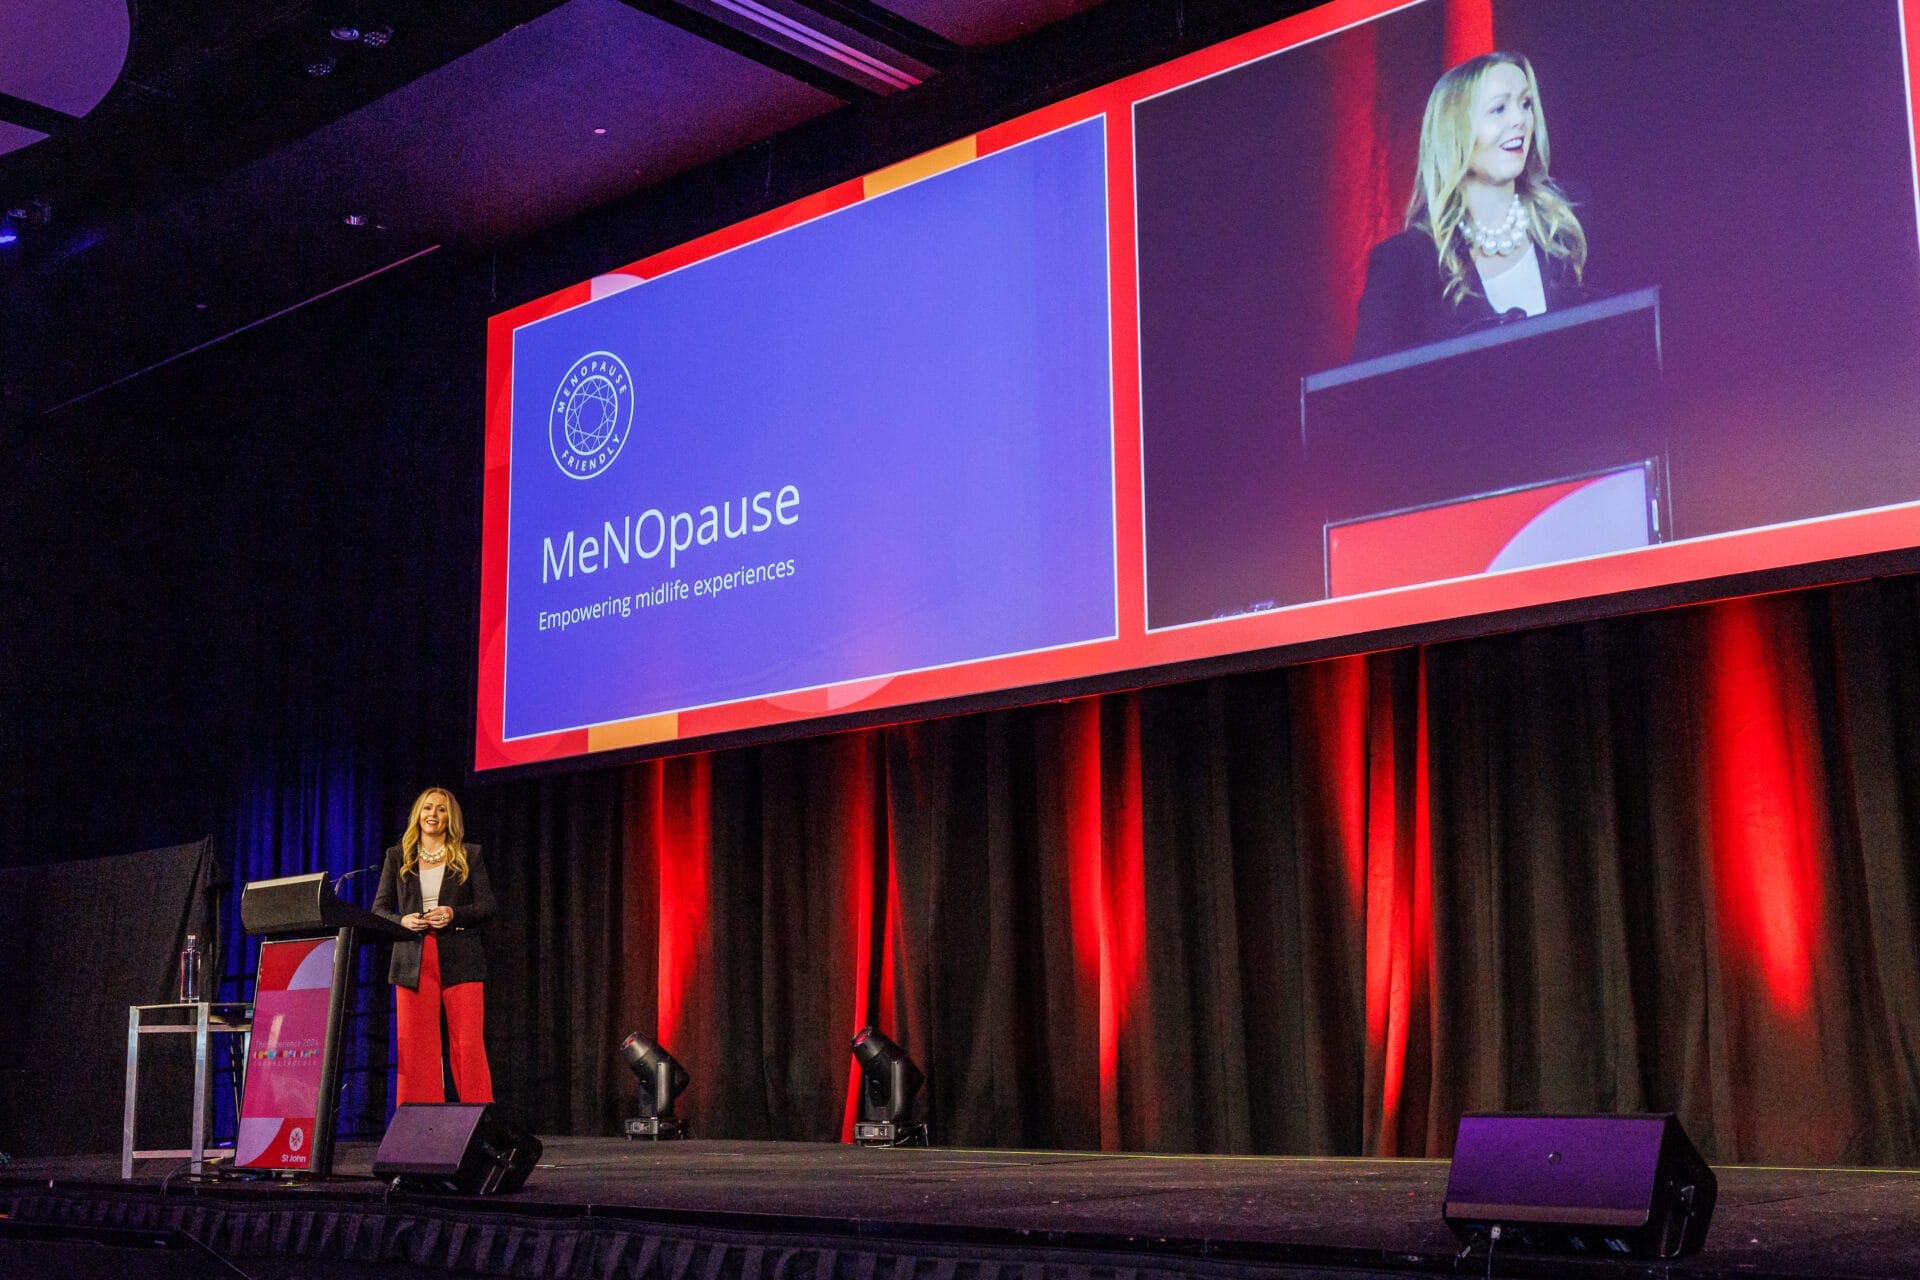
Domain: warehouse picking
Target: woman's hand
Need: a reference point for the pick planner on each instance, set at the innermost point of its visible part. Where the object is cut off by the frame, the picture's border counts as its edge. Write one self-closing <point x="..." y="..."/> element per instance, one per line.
<point x="440" y="917"/>
<point x="415" y="921"/>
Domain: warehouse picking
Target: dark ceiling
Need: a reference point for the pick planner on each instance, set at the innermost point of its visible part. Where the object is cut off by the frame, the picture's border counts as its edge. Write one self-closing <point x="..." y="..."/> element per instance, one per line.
<point x="252" y="154"/>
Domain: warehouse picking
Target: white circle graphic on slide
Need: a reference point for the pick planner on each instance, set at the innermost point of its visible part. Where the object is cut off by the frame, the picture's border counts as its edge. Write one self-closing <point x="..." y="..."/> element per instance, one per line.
<point x="296" y="1139"/>
<point x="592" y="415"/>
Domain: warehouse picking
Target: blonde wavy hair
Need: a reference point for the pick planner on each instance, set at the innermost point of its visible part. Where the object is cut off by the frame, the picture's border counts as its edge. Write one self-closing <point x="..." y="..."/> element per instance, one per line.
<point x="456" y="836"/>
<point x="1439" y="205"/>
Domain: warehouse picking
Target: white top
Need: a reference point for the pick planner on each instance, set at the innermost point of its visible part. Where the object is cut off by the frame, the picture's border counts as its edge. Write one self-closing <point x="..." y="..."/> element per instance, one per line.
<point x="430" y="878"/>
<point x="1518" y="286"/>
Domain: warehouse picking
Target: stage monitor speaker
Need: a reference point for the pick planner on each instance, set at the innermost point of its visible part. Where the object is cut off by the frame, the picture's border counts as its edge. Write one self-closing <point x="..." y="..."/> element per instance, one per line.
<point x="1621" y="1186"/>
<point x="455" y="1148"/>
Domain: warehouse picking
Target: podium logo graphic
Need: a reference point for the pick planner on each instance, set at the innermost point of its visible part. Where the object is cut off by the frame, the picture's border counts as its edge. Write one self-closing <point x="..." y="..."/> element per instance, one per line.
<point x="297" y="1139"/>
<point x="592" y="415"/>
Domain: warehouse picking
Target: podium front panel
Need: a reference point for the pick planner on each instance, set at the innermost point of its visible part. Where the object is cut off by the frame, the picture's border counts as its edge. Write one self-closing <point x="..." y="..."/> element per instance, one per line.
<point x="281" y="1105"/>
<point x="1513" y="529"/>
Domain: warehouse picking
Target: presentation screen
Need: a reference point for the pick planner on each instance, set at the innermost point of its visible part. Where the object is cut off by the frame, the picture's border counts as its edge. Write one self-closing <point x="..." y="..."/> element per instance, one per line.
<point x="1383" y="316"/>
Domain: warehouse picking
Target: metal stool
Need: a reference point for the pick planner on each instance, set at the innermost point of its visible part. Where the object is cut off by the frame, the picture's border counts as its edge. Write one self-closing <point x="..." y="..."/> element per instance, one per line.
<point x="205" y="1021"/>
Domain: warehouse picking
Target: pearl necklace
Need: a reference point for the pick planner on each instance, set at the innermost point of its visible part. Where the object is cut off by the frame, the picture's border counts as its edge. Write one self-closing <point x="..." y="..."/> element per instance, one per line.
<point x="433" y="859"/>
<point x="1503" y="239"/>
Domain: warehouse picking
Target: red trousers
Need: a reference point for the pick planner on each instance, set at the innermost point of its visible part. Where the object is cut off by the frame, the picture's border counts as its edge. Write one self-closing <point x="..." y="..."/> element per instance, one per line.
<point x="417" y="1018"/>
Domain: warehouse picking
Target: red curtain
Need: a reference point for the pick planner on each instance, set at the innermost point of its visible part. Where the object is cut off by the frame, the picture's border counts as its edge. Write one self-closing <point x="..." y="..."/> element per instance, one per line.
<point x="1373" y="126"/>
<point x="1469" y="30"/>
<point x="1767" y="824"/>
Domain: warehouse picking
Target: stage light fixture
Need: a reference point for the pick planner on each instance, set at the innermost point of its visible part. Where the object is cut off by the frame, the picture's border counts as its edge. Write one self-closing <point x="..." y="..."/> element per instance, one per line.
<point x="376" y="37"/>
<point x="661" y="1081"/>
<point x="321" y="67"/>
<point x="888" y="1083"/>
<point x="345" y="33"/>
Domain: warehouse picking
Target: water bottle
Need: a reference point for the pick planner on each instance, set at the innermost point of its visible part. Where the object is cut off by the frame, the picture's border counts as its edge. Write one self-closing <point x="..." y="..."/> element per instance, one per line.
<point x="190" y="971"/>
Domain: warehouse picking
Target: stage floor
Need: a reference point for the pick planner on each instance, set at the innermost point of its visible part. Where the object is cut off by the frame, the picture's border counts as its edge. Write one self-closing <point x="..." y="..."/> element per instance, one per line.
<point x="1175" y="1214"/>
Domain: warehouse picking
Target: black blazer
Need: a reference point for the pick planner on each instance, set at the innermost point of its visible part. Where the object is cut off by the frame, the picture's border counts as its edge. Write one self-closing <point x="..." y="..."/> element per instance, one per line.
<point x="1405" y="303"/>
<point x="463" y="957"/>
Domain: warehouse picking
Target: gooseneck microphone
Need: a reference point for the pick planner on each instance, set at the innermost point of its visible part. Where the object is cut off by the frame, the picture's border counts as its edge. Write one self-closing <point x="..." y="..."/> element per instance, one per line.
<point x="357" y="871"/>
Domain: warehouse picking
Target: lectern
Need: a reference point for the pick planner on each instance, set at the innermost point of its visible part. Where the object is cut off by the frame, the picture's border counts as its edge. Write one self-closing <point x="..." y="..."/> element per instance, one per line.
<point x="1535" y="442"/>
<point x="290" y="1105"/>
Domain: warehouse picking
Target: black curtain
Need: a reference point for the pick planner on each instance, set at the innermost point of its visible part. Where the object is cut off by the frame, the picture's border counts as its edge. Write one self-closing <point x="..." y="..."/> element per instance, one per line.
<point x="80" y="942"/>
<point x="1573" y="955"/>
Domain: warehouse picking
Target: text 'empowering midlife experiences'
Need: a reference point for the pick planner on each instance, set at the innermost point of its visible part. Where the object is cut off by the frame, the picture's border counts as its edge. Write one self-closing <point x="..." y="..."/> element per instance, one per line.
<point x="672" y="591"/>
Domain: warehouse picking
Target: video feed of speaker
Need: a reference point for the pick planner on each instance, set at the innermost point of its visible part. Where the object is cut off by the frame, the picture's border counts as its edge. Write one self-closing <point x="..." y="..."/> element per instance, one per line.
<point x="1645" y="274"/>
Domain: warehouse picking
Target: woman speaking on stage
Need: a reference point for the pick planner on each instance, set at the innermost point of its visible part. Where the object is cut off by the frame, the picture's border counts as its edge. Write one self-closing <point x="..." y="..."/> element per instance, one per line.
<point x="1489" y="235"/>
<point x="434" y="884"/>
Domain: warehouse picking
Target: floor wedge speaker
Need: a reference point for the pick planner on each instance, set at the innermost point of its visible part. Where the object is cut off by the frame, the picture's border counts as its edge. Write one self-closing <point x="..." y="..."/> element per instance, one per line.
<point x="1601" y="1185"/>
<point x="456" y="1148"/>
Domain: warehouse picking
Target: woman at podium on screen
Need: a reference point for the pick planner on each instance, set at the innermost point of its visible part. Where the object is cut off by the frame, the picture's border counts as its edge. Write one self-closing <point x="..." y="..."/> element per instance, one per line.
<point x="1489" y="235"/>
<point x="434" y="884"/>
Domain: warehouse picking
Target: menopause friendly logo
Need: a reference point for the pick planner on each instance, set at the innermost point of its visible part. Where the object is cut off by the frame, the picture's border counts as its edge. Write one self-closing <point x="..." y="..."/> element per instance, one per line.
<point x="592" y="415"/>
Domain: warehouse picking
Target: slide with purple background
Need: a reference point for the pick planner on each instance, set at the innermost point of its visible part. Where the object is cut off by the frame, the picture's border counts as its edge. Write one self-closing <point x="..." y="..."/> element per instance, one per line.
<point x="877" y="442"/>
